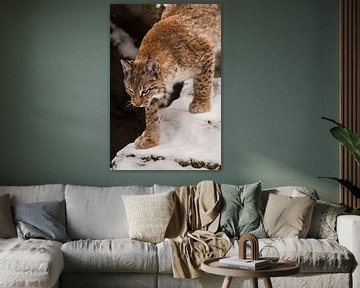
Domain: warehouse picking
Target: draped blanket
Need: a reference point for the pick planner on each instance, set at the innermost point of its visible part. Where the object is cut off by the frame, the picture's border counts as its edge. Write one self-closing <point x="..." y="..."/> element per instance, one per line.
<point x="191" y="232"/>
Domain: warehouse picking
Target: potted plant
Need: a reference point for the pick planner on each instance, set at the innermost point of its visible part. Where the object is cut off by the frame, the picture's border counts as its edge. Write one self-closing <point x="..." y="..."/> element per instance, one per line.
<point x="351" y="141"/>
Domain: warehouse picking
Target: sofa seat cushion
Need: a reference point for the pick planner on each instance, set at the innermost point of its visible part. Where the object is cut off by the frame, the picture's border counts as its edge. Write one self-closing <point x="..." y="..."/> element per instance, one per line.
<point x="30" y="263"/>
<point x="98" y="212"/>
<point x="313" y="255"/>
<point x="115" y="255"/>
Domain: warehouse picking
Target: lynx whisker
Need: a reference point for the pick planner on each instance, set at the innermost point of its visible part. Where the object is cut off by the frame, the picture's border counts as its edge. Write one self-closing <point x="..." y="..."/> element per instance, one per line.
<point x="129" y="107"/>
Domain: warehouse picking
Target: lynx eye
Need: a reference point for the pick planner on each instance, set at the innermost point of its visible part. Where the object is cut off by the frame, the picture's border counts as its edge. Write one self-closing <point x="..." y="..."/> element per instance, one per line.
<point x="145" y="91"/>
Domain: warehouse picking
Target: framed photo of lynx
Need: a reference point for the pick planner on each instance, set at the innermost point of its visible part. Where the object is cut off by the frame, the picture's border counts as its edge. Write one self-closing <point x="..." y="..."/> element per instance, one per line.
<point x="165" y="86"/>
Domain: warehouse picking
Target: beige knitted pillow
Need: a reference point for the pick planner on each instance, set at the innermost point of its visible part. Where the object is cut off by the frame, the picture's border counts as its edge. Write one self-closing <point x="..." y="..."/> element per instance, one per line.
<point x="288" y="217"/>
<point x="149" y="215"/>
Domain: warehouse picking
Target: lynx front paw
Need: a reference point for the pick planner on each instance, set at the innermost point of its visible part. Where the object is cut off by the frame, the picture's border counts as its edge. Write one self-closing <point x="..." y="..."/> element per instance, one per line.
<point x="200" y="106"/>
<point x="144" y="142"/>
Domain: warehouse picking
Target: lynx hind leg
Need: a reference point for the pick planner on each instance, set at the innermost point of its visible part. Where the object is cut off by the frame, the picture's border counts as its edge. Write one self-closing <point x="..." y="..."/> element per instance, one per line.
<point x="203" y="86"/>
<point x="151" y="136"/>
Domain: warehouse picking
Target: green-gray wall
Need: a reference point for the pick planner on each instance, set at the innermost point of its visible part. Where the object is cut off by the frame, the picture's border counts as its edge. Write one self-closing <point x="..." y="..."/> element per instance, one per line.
<point x="280" y="75"/>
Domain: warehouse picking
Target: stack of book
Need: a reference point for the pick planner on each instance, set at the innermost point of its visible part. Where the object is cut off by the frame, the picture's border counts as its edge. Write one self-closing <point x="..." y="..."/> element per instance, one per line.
<point x="248" y="264"/>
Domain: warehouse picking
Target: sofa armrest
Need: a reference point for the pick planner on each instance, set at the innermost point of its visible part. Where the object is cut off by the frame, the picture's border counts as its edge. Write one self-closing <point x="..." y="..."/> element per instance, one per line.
<point x="348" y="230"/>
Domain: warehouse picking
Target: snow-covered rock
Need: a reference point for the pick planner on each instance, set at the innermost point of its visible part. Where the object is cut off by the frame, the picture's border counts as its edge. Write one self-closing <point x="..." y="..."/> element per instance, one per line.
<point x="188" y="141"/>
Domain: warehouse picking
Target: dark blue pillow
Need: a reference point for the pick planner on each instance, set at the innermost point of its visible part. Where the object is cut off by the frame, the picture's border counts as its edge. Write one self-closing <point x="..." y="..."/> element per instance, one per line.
<point x="43" y="220"/>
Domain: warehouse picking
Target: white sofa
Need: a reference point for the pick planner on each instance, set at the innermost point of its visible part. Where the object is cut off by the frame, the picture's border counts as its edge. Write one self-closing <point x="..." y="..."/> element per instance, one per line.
<point x="101" y="254"/>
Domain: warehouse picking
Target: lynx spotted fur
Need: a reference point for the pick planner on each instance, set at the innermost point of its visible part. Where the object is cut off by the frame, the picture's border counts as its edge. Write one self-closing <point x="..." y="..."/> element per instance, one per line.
<point x="183" y="44"/>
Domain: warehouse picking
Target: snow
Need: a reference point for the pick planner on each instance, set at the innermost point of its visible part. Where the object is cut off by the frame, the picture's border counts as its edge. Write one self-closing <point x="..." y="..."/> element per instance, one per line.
<point x="158" y="6"/>
<point x="123" y="41"/>
<point x="188" y="141"/>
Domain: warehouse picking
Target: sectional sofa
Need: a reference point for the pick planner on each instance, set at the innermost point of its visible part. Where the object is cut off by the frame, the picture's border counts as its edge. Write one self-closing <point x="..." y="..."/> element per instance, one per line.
<point x="100" y="253"/>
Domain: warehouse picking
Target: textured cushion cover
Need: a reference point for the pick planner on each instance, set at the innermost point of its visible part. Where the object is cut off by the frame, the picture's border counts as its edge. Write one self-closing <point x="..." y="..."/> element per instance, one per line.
<point x="117" y="255"/>
<point x="109" y="280"/>
<point x="7" y="226"/>
<point x="323" y="222"/>
<point x="292" y="191"/>
<point x="98" y="212"/>
<point x="240" y="210"/>
<point x="44" y="220"/>
<point x="162" y="188"/>
<point x="287" y="216"/>
<point x="149" y="215"/>
<point x="313" y="255"/>
<point x="35" y="193"/>
<point x="32" y="263"/>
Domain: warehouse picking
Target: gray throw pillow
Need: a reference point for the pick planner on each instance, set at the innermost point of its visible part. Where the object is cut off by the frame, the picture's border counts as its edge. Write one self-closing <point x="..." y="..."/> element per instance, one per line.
<point x="44" y="220"/>
<point x="240" y="213"/>
<point x="7" y="227"/>
<point x="323" y="222"/>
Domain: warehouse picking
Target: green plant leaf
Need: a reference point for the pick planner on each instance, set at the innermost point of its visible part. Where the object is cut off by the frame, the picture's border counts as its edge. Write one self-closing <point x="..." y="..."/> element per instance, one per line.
<point x="355" y="211"/>
<point x="348" y="138"/>
<point x="347" y="184"/>
<point x="333" y="121"/>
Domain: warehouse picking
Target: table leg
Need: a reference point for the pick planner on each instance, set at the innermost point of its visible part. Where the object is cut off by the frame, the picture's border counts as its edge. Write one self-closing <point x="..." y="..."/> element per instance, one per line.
<point x="254" y="282"/>
<point x="227" y="282"/>
<point x="267" y="283"/>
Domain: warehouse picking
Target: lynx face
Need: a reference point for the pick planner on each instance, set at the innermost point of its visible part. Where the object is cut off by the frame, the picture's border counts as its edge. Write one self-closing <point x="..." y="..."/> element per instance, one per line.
<point x="142" y="82"/>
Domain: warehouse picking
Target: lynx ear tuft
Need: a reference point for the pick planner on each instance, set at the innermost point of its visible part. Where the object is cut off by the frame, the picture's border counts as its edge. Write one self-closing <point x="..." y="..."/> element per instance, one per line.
<point x="127" y="65"/>
<point x="152" y="67"/>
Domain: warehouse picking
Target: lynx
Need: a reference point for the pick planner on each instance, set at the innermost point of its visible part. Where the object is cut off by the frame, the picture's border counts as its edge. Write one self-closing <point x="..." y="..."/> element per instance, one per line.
<point x="184" y="44"/>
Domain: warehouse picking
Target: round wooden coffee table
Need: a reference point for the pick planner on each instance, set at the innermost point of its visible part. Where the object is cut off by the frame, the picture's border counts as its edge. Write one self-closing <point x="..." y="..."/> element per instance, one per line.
<point x="281" y="268"/>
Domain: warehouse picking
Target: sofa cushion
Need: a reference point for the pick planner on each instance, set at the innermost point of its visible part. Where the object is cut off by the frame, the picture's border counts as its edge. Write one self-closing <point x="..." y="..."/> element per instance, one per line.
<point x="240" y="210"/>
<point x="287" y="216"/>
<point x="36" y="193"/>
<point x="116" y="255"/>
<point x="98" y="213"/>
<point x="109" y="280"/>
<point x="323" y="222"/>
<point x="313" y="255"/>
<point x="164" y="257"/>
<point x="291" y="191"/>
<point x="43" y="220"/>
<point x="30" y="263"/>
<point x="7" y="226"/>
<point x="149" y="215"/>
<point x="163" y="188"/>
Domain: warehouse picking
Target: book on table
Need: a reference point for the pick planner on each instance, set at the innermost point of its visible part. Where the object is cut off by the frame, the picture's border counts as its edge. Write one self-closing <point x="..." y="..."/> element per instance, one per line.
<point x="249" y="264"/>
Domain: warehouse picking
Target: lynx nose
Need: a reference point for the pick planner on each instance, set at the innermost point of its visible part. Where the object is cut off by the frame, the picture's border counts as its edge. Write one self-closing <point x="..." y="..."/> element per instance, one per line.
<point x="136" y="102"/>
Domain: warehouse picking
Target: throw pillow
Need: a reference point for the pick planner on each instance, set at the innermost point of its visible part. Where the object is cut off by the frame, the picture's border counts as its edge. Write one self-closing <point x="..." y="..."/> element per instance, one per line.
<point x="7" y="227"/>
<point x="240" y="210"/>
<point x="44" y="220"/>
<point x="323" y="222"/>
<point x="149" y="215"/>
<point x="287" y="217"/>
